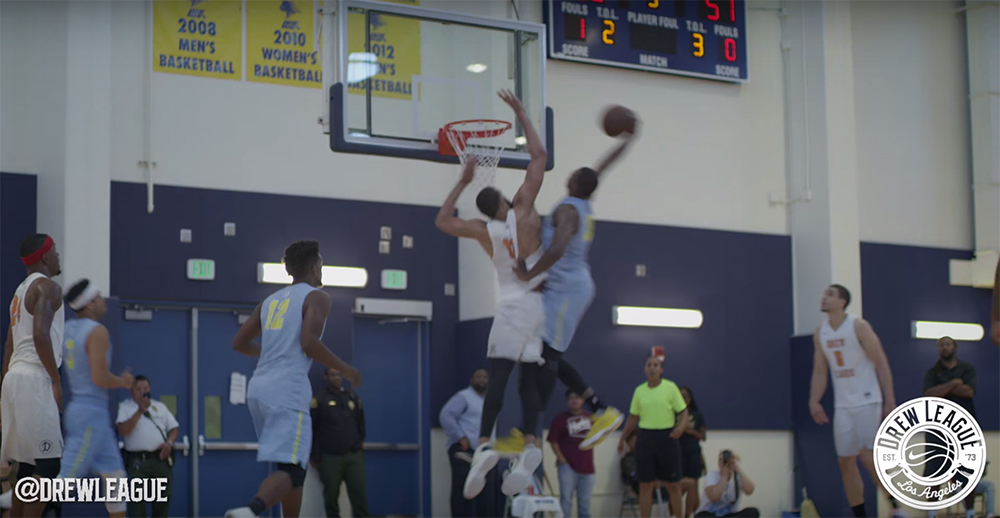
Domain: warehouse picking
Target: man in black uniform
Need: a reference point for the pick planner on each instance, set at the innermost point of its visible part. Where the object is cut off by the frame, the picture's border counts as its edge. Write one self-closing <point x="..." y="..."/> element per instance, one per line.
<point x="955" y="381"/>
<point x="338" y="444"/>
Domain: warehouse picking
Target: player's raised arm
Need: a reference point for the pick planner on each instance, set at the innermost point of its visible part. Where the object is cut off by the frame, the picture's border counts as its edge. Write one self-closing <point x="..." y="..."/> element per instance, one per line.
<point x="565" y="224"/>
<point x="452" y="225"/>
<point x="536" y="150"/>
<point x="243" y="342"/>
<point x="617" y="151"/>
<point x="314" y="312"/>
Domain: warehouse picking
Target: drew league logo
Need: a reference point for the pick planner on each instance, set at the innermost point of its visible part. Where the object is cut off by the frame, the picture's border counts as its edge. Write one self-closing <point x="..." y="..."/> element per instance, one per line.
<point x="929" y="453"/>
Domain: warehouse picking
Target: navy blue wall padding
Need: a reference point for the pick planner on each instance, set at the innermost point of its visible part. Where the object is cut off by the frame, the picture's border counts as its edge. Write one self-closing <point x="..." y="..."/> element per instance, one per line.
<point x="906" y="283"/>
<point x="816" y="466"/>
<point x="148" y="260"/>
<point x="18" y="209"/>
<point x="736" y="363"/>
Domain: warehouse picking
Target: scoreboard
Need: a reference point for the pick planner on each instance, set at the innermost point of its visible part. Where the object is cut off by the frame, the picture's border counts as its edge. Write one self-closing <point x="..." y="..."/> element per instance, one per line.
<point x="700" y="38"/>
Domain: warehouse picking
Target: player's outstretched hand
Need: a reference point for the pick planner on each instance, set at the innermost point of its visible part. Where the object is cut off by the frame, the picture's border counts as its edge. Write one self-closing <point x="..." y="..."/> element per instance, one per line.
<point x="468" y="170"/>
<point x="818" y="414"/>
<point x="127" y="379"/>
<point x="511" y="100"/>
<point x="354" y="377"/>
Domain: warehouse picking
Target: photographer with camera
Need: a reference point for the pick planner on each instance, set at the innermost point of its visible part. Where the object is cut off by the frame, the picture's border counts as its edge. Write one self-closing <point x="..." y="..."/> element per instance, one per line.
<point x="723" y="488"/>
<point x="149" y="431"/>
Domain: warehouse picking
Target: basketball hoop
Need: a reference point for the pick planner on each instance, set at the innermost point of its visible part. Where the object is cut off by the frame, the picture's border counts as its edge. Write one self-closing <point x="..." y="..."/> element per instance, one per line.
<point x="477" y="138"/>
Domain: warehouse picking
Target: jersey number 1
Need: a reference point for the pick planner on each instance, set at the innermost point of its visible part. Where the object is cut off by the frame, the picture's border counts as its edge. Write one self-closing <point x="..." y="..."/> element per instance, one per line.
<point x="276" y="320"/>
<point x="510" y="247"/>
<point x="840" y="358"/>
<point x="15" y="310"/>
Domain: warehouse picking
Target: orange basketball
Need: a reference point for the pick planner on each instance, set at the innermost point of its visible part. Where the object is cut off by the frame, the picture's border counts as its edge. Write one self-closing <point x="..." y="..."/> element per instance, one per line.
<point x="617" y="120"/>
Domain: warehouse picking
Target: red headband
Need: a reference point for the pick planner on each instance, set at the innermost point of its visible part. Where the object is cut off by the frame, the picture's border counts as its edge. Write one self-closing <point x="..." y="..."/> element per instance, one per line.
<point x="36" y="256"/>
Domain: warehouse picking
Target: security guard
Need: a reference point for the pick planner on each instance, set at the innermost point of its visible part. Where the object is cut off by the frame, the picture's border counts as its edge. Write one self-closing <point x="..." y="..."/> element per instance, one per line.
<point x="338" y="444"/>
<point x="149" y="431"/>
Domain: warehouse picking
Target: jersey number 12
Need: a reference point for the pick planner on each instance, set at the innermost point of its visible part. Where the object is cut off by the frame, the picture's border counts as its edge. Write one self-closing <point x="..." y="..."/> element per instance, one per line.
<point x="276" y="320"/>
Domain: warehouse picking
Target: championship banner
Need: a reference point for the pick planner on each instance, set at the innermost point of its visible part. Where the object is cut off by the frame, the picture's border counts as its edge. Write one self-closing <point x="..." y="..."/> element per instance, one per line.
<point x="280" y="46"/>
<point x="393" y="59"/>
<point x="198" y="38"/>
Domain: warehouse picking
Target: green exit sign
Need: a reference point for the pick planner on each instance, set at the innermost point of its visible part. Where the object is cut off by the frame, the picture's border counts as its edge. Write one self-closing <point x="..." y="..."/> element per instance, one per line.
<point x="201" y="269"/>
<point x="394" y="279"/>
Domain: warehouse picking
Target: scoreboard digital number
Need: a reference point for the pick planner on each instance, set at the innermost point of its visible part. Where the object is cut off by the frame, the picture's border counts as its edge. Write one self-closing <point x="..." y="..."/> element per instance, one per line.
<point x="700" y="38"/>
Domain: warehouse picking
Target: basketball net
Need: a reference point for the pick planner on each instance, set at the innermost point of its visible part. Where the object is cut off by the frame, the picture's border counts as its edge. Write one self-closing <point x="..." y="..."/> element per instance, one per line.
<point x="477" y="140"/>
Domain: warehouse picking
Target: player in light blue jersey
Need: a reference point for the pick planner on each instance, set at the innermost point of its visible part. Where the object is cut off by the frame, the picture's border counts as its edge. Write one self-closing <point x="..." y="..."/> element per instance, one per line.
<point x="291" y="324"/>
<point x="91" y="441"/>
<point x="569" y="288"/>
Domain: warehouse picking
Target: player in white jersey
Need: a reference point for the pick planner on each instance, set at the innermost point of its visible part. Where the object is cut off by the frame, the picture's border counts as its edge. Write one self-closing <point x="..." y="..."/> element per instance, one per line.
<point x="862" y="389"/>
<point x="291" y="323"/>
<point x="512" y="233"/>
<point x="31" y="395"/>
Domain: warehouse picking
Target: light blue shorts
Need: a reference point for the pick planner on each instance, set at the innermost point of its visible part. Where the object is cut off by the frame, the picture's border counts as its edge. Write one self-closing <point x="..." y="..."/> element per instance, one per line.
<point x="284" y="434"/>
<point x="91" y="443"/>
<point x="564" y="309"/>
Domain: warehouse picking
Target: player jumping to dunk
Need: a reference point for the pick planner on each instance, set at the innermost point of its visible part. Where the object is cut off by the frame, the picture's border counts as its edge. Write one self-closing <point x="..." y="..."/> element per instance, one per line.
<point x="513" y="233"/>
<point x="569" y="289"/>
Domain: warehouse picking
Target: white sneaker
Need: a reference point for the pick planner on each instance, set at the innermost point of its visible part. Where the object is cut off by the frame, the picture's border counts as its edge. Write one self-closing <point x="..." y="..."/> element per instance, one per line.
<point x="522" y="471"/>
<point x="7" y="500"/>
<point x="240" y="512"/>
<point x="483" y="461"/>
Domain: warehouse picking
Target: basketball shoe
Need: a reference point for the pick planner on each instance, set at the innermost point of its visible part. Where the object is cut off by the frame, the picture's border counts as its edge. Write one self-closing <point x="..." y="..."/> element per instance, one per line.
<point x="604" y="423"/>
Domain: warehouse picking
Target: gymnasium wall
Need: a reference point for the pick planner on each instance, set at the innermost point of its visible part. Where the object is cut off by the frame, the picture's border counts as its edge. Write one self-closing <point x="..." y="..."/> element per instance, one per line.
<point x="912" y="110"/>
<point x="18" y="198"/>
<point x="148" y="260"/>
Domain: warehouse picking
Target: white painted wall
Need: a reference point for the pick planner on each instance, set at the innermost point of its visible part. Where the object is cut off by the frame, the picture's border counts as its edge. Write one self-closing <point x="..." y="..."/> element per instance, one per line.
<point x="912" y="110"/>
<point x="33" y="104"/>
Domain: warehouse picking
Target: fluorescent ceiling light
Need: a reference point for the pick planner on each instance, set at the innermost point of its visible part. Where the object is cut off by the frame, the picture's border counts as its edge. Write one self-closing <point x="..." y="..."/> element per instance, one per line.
<point x="956" y="330"/>
<point x="656" y="317"/>
<point x="520" y="140"/>
<point x="340" y="276"/>
<point x="361" y="66"/>
<point x="476" y="68"/>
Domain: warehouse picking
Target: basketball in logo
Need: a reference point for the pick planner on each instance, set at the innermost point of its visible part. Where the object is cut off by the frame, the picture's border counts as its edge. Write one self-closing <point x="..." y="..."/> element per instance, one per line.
<point x="930" y="453"/>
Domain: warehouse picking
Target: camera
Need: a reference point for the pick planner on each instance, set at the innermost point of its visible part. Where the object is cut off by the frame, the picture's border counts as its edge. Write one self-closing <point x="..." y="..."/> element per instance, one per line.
<point x="147" y="395"/>
<point x="727" y="456"/>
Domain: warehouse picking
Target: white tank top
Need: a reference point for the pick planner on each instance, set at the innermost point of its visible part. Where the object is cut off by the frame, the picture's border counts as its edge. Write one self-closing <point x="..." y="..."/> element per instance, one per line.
<point x="855" y="382"/>
<point x="23" y="321"/>
<point x="503" y="235"/>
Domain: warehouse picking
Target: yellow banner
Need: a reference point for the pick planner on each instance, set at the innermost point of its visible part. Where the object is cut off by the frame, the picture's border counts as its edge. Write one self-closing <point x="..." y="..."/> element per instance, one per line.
<point x="389" y="65"/>
<point x="198" y="38"/>
<point x="280" y="46"/>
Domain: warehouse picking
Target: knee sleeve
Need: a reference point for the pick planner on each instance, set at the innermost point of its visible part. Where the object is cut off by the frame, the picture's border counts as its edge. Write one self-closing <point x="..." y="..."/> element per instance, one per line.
<point x="25" y="470"/>
<point x="295" y="472"/>
<point x="551" y="357"/>
<point x="48" y="468"/>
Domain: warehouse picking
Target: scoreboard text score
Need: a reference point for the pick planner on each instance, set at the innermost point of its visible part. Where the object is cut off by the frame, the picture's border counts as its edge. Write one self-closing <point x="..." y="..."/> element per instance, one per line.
<point x="701" y="38"/>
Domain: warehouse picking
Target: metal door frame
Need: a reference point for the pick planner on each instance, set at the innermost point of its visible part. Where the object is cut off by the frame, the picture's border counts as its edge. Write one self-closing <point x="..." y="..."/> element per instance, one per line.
<point x="198" y="444"/>
<point x="398" y="311"/>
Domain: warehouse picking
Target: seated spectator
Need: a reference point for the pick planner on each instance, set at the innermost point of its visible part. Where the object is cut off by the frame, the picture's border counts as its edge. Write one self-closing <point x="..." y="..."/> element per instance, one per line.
<point x="723" y="488"/>
<point x="989" y="492"/>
